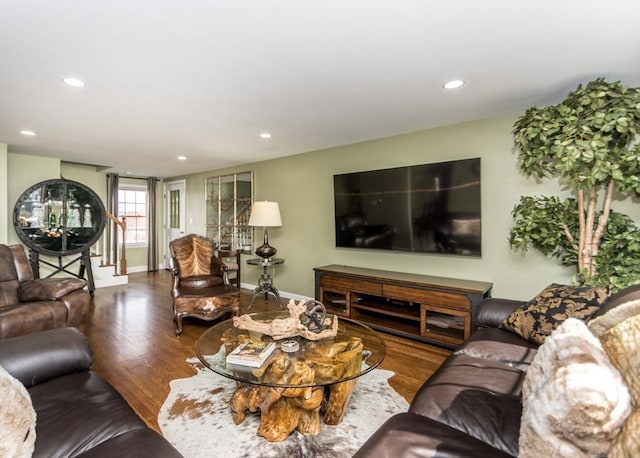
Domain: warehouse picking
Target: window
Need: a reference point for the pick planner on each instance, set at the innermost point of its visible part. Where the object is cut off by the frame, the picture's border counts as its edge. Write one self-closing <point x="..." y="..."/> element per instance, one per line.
<point x="132" y="205"/>
<point x="228" y="203"/>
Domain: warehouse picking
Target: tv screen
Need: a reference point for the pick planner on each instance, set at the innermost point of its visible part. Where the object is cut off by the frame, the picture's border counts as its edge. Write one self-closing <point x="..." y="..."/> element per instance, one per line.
<point x="429" y="208"/>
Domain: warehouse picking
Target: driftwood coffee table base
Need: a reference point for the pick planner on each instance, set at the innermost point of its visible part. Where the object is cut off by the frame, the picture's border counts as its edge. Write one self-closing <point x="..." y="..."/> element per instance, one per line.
<point x="284" y="410"/>
<point x="304" y="382"/>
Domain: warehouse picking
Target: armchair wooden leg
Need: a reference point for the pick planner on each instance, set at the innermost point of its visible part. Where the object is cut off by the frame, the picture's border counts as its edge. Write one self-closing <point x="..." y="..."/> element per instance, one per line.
<point x="178" y="322"/>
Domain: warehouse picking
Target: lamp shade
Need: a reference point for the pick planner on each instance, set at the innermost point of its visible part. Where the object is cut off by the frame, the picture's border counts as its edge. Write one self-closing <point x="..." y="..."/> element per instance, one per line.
<point x="266" y="214"/>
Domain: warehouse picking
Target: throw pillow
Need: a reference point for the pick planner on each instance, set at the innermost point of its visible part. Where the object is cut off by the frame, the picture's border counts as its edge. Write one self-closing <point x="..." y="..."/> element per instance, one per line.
<point x="536" y="319"/>
<point x="619" y="332"/>
<point x="17" y="418"/>
<point x="627" y="443"/>
<point x="574" y="401"/>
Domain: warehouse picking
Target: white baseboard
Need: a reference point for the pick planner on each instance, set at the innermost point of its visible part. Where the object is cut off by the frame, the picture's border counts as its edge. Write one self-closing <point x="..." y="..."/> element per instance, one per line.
<point x="136" y="269"/>
<point x="286" y="294"/>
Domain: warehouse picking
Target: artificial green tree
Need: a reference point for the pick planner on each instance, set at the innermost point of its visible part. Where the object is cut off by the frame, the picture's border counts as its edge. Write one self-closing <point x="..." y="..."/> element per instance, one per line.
<point x="590" y="143"/>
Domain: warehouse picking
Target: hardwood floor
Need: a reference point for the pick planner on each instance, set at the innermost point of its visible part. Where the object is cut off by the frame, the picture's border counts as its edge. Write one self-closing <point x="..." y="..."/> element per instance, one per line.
<point x="132" y="335"/>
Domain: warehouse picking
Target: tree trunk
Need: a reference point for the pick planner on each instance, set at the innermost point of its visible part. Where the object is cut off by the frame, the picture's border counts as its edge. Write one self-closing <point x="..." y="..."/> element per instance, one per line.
<point x="590" y="233"/>
<point x="581" y="226"/>
<point x="604" y="217"/>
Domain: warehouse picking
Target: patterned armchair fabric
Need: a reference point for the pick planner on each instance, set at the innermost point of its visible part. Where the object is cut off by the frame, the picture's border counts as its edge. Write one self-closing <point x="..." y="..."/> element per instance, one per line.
<point x="194" y="262"/>
<point x="201" y="286"/>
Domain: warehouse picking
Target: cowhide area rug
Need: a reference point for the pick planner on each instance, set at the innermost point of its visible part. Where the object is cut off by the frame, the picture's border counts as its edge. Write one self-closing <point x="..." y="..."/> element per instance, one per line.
<point x="196" y="419"/>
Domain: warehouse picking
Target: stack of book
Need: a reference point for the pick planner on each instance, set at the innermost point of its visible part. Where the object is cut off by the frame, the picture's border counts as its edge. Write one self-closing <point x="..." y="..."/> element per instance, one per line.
<point x="251" y="353"/>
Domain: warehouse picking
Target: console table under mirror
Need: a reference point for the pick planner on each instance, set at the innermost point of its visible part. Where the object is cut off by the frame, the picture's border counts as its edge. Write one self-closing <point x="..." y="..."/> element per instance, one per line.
<point x="60" y="218"/>
<point x="228" y="206"/>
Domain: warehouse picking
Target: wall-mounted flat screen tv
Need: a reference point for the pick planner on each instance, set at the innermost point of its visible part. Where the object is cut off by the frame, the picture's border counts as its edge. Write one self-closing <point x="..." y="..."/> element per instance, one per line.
<point x="429" y="208"/>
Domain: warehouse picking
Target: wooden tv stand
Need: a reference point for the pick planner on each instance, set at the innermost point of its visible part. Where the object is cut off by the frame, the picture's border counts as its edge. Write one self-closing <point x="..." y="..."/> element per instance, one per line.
<point x="437" y="310"/>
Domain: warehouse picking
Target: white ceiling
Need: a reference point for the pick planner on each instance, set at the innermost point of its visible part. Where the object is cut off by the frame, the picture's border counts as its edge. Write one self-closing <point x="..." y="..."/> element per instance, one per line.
<point x="203" y="78"/>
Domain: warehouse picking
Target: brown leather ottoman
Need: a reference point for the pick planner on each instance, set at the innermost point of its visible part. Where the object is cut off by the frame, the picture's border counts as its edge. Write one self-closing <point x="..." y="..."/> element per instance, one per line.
<point x="205" y="303"/>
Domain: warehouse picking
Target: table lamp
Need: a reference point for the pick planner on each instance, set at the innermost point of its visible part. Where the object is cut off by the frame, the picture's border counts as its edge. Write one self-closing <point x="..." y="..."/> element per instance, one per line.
<point x="265" y="214"/>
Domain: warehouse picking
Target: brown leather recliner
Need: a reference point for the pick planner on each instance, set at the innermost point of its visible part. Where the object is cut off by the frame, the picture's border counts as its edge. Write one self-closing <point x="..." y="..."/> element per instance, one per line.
<point x="201" y="286"/>
<point x="30" y="305"/>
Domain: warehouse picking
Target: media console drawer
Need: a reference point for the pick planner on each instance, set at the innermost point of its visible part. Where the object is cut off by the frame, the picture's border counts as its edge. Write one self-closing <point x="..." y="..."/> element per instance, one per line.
<point x="432" y="309"/>
<point x="427" y="296"/>
<point x="349" y="284"/>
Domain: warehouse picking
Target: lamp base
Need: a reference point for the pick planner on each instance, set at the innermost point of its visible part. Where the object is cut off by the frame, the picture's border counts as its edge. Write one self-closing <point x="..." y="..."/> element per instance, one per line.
<point x="265" y="251"/>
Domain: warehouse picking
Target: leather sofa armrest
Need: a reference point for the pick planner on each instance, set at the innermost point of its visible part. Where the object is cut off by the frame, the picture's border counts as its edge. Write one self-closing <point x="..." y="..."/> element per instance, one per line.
<point x="412" y="435"/>
<point x="36" y="358"/>
<point x="492" y="311"/>
<point x="48" y="289"/>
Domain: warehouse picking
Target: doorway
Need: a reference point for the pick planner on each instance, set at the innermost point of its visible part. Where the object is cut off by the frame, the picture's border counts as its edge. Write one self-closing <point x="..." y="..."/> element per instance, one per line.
<point x="174" y="211"/>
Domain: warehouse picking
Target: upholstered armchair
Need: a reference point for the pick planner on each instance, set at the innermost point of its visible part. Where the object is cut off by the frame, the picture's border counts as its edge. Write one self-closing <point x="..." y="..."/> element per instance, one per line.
<point x="29" y="304"/>
<point x="201" y="286"/>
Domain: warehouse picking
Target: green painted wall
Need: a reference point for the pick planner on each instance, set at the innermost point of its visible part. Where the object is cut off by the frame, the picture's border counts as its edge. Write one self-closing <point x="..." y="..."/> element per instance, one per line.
<point x="303" y="186"/>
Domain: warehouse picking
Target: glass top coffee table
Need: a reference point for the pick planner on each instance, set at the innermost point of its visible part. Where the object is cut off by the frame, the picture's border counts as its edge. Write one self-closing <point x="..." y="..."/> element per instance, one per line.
<point x="291" y="389"/>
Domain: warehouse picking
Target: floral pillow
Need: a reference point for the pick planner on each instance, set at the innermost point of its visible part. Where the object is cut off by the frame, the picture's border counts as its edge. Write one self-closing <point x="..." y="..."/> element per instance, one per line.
<point x="536" y="319"/>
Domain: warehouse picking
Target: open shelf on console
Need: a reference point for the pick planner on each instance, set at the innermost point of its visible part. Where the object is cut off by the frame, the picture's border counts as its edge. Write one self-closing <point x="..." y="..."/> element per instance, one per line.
<point x="386" y="322"/>
<point x="336" y="303"/>
<point x="393" y="308"/>
<point x="445" y="324"/>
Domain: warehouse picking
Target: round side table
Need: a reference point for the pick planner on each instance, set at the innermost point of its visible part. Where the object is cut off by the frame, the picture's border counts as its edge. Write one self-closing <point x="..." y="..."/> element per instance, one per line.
<point x="265" y="283"/>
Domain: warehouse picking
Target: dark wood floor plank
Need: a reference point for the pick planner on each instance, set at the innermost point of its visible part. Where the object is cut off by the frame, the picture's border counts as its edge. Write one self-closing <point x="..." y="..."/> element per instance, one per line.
<point x="132" y="335"/>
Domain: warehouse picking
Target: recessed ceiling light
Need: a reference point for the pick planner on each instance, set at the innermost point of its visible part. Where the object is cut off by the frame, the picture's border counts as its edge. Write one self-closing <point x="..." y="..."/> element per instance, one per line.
<point x="453" y="84"/>
<point x="28" y="133"/>
<point x="73" y="82"/>
<point x="182" y="158"/>
<point x="265" y="135"/>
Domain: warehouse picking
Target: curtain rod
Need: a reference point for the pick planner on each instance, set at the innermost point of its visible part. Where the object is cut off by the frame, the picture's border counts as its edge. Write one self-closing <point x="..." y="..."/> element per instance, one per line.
<point x="134" y="178"/>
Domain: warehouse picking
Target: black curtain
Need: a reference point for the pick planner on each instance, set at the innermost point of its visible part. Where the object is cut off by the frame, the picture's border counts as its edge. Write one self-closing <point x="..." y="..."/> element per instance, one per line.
<point x="152" y="226"/>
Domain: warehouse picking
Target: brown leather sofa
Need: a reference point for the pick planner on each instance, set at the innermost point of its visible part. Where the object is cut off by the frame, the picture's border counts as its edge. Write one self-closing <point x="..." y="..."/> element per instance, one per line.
<point x="471" y="406"/>
<point x="31" y="305"/>
<point x="78" y="414"/>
